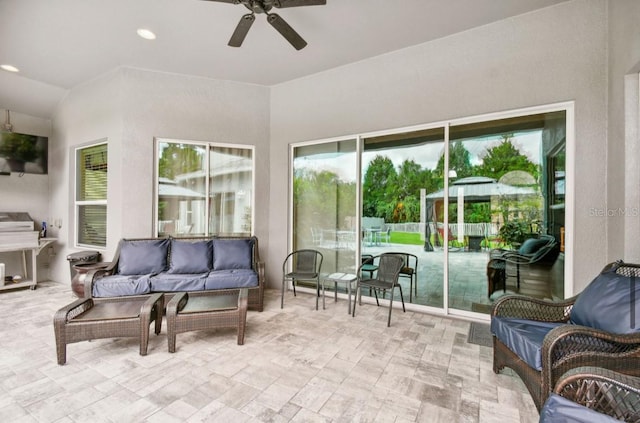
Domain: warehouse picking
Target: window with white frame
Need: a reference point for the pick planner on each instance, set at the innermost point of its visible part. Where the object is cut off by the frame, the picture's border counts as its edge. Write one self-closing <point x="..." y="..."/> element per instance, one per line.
<point x="91" y="195"/>
<point x="203" y="188"/>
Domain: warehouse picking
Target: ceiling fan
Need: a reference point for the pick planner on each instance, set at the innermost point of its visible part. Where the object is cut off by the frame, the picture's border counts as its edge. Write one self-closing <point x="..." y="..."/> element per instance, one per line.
<point x="264" y="6"/>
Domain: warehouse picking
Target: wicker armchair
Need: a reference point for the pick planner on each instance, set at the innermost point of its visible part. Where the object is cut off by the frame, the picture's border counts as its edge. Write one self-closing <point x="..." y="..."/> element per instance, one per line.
<point x="542" y="340"/>
<point x="535" y="253"/>
<point x="593" y="394"/>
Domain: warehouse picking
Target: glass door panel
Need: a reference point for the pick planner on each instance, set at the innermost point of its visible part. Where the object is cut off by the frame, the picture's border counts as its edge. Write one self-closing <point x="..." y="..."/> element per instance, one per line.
<point x="500" y="209"/>
<point x="325" y="203"/>
<point x="399" y="171"/>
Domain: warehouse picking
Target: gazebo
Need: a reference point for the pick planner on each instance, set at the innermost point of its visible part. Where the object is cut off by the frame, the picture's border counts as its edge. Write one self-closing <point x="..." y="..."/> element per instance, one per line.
<point x="474" y="189"/>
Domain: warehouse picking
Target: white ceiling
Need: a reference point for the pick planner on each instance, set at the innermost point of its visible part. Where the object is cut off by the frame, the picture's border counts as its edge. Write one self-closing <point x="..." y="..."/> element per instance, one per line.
<point x="63" y="43"/>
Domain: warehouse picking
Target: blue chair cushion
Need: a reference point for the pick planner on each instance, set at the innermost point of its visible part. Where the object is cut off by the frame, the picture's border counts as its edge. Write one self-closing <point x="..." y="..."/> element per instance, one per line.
<point x="142" y="257"/>
<point x="531" y="246"/>
<point x="234" y="278"/>
<point x="121" y="285"/>
<point x="190" y="257"/>
<point x="171" y="282"/>
<point x="523" y="337"/>
<point x="611" y="302"/>
<point x="558" y="409"/>
<point x="231" y="254"/>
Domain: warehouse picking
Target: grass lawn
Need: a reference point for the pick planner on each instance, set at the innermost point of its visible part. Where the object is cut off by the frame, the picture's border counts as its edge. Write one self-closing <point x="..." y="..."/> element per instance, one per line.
<point x="414" y="238"/>
<point x="409" y="238"/>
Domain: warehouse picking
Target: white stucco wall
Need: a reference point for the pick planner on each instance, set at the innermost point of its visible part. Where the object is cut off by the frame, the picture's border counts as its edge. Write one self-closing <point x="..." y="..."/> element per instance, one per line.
<point x="130" y="107"/>
<point x="89" y="113"/>
<point x="623" y="127"/>
<point x="548" y="56"/>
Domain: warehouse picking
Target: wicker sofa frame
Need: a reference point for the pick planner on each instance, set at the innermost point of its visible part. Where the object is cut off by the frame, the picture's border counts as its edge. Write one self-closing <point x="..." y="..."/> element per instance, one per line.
<point x="256" y="294"/>
<point x="602" y="390"/>
<point x="565" y="347"/>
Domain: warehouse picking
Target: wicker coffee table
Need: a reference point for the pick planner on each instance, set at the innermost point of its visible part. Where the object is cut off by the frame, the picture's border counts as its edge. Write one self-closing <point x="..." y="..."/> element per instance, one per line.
<point x="95" y="318"/>
<point x="206" y="310"/>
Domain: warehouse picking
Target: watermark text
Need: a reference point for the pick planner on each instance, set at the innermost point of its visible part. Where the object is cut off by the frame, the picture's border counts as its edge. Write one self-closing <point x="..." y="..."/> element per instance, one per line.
<point x="614" y="212"/>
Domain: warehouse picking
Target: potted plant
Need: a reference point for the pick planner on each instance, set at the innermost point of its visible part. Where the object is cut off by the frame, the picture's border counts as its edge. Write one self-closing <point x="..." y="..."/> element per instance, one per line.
<point x="18" y="149"/>
<point x="514" y="233"/>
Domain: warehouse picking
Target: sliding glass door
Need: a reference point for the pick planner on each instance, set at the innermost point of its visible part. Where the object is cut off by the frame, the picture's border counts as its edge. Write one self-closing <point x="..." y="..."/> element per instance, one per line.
<point x="500" y="209"/>
<point x="399" y="171"/>
<point x="477" y="203"/>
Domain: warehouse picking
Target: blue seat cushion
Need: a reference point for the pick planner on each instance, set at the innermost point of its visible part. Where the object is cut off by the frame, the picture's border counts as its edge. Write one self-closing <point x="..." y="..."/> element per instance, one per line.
<point x="121" y="285"/>
<point x="172" y="282"/>
<point x="233" y="278"/>
<point x="523" y="337"/>
<point x="558" y="409"/>
<point x="141" y="257"/>
<point x="232" y="254"/>
<point x="190" y="257"/>
<point x="611" y="302"/>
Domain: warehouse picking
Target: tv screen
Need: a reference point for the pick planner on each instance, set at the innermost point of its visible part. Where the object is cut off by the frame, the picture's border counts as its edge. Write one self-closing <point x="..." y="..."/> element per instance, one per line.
<point x="23" y="153"/>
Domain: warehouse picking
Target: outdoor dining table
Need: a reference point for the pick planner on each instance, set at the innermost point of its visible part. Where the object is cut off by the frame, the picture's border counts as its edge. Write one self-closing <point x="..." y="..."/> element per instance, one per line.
<point x="373" y="235"/>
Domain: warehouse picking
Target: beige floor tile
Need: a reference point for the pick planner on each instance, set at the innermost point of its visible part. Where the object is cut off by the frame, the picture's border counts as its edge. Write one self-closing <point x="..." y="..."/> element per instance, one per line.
<point x="297" y="365"/>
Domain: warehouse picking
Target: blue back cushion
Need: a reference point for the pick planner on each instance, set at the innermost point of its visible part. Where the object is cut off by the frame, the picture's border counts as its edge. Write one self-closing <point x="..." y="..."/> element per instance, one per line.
<point x="190" y="257"/>
<point x="231" y="254"/>
<point x="611" y="302"/>
<point x="143" y="257"/>
<point x="531" y="245"/>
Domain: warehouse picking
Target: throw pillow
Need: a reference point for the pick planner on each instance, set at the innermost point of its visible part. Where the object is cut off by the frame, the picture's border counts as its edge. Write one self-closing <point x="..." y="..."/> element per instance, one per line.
<point x="232" y="254"/>
<point x="190" y="257"/>
<point x="142" y="257"/>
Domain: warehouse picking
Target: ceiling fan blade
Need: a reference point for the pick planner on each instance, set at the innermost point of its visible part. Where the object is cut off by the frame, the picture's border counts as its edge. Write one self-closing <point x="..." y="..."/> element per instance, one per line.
<point x="226" y="1"/>
<point x="241" y="30"/>
<point x="296" y="3"/>
<point x="286" y="31"/>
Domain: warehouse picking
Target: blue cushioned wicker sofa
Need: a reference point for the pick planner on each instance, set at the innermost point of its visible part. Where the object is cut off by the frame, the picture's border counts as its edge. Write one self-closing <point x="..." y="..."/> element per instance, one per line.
<point x="148" y="265"/>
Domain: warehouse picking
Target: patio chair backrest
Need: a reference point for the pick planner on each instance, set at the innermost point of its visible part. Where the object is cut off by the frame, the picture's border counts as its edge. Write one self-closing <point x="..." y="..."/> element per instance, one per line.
<point x="389" y="268"/>
<point x="305" y="261"/>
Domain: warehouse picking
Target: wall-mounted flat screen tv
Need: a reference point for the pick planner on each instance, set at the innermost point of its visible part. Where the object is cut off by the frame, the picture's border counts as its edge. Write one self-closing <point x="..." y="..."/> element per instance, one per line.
<point x="23" y="153"/>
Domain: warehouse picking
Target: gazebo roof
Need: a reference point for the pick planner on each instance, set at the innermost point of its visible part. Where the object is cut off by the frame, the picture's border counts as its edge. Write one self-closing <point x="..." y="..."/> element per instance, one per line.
<point x="481" y="188"/>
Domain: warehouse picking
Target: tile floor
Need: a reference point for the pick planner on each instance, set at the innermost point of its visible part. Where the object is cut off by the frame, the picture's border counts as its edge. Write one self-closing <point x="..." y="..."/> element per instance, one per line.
<point x="297" y="364"/>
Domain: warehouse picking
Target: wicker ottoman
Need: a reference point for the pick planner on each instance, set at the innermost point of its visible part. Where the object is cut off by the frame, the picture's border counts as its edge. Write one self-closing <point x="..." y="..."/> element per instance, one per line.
<point x="95" y="318"/>
<point x="206" y="310"/>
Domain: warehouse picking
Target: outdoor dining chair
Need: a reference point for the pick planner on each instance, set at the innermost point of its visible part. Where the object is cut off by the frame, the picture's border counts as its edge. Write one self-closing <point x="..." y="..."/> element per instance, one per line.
<point x="301" y="265"/>
<point x="409" y="270"/>
<point x="388" y="272"/>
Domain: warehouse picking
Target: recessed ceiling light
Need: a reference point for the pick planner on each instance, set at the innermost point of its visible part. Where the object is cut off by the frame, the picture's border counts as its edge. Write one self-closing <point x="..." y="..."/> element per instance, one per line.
<point x="9" y="68"/>
<point x="146" y="34"/>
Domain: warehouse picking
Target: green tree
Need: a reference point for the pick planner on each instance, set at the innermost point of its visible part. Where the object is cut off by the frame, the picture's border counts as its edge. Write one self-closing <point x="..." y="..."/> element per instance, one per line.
<point x="406" y="191"/>
<point x="322" y="200"/>
<point x="177" y="159"/>
<point x="378" y="187"/>
<point x="504" y="158"/>
<point x="459" y="160"/>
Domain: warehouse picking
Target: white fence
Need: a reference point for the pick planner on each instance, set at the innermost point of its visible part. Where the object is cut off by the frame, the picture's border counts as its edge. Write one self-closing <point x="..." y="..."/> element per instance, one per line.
<point x="469" y="229"/>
